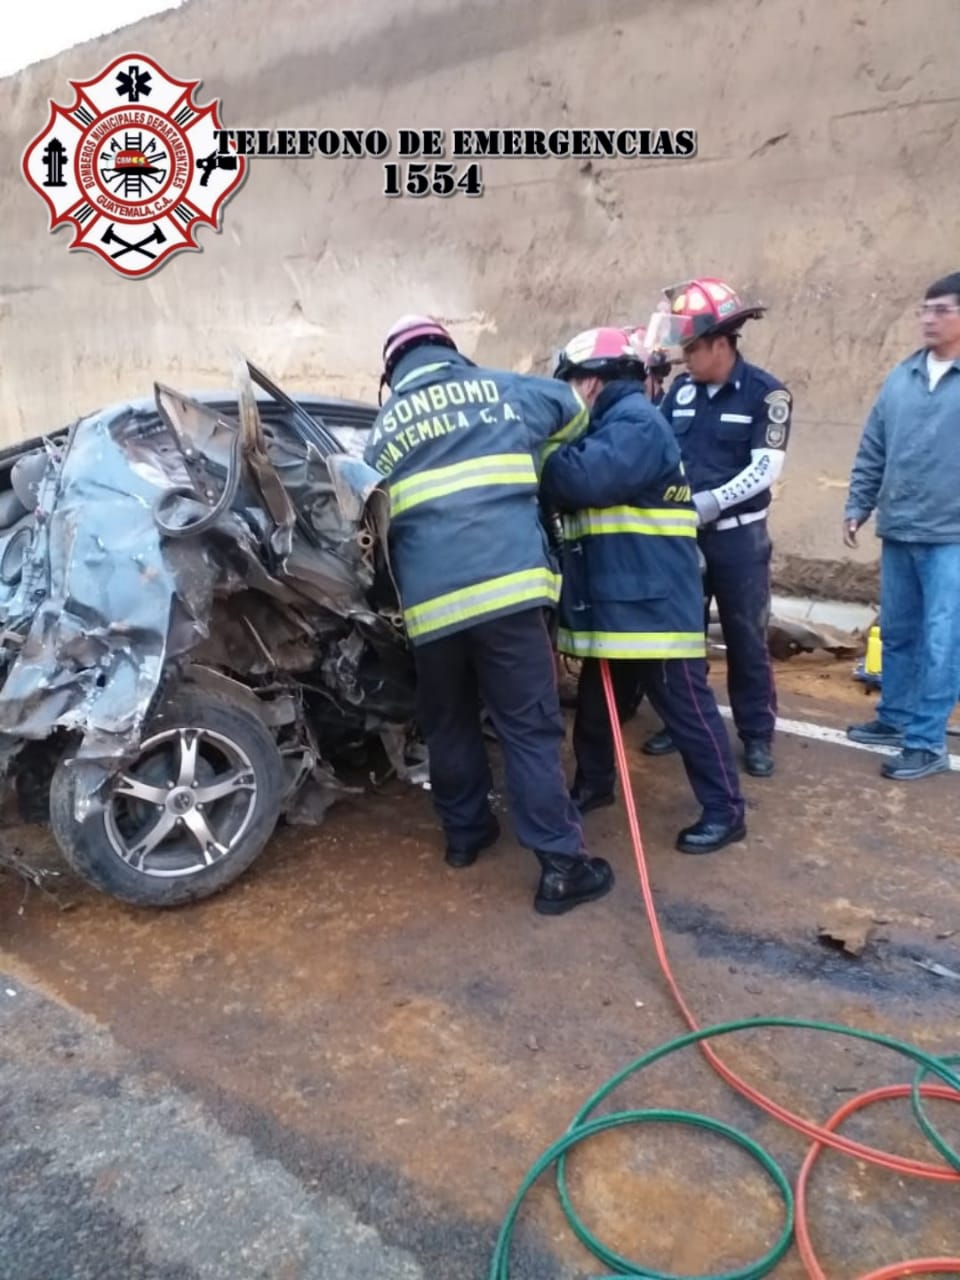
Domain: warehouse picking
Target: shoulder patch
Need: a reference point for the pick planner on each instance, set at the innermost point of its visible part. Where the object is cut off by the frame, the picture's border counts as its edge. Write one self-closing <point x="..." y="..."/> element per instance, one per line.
<point x="686" y="393"/>
<point x="778" y="406"/>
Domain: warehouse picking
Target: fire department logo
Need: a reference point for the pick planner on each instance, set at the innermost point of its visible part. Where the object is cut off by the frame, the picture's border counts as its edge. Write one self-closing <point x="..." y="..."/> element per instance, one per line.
<point x="133" y="165"/>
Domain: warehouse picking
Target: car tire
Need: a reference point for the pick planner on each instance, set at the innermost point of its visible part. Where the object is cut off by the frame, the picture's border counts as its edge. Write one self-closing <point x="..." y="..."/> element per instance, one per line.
<point x="209" y="827"/>
<point x="35" y="769"/>
<point x="11" y="509"/>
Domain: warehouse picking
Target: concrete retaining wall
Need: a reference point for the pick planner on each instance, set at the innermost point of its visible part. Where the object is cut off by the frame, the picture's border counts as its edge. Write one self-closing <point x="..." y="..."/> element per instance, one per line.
<point x="822" y="181"/>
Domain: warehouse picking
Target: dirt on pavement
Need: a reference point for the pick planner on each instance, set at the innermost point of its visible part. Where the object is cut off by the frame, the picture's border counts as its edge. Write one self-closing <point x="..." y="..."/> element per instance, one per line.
<point x="408" y="1038"/>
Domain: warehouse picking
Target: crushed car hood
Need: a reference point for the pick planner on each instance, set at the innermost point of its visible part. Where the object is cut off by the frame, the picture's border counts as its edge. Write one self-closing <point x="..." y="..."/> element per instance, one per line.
<point x="148" y="524"/>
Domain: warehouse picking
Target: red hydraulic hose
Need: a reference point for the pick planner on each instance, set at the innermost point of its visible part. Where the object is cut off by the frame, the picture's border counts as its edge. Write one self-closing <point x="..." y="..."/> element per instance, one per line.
<point x="822" y="1136"/>
<point x="919" y="1266"/>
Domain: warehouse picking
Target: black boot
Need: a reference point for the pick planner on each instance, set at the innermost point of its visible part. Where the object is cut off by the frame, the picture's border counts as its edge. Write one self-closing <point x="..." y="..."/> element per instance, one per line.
<point x="566" y="881"/>
<point x="661" y="744"/>
<point x="586" y="797"/>
<point x="708" y="836"/>
<point x="464" y="855"/>
<point x="758" y="758"/>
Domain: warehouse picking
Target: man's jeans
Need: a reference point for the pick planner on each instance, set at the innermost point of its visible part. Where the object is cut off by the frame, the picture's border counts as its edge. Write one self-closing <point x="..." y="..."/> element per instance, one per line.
<point x="920" y="629"/>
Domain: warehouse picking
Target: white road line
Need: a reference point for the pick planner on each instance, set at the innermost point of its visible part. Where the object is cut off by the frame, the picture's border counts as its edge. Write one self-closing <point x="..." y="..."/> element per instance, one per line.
<point x="821" y="733"/>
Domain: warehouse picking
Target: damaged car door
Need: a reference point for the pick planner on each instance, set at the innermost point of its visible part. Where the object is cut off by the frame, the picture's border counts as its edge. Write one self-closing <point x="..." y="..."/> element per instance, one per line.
<point x="204" y="622"/>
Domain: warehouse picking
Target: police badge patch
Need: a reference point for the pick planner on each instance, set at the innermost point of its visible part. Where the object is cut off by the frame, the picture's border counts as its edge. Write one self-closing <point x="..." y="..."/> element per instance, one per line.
<point x="686" y="393"/>
<point x="778" y="416"/>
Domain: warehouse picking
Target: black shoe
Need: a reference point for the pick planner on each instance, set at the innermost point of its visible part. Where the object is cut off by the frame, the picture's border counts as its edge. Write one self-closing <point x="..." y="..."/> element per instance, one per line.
<point x="913" y="763"/>
<point x="758" y="759"/>
<point x="586" y="798"/>
<point x="465" y="855"/>
<point x="707" y="837"/>
<point x="661" y="744"/>
<point x="565" y="882"/>
<point x="875" y="734"/>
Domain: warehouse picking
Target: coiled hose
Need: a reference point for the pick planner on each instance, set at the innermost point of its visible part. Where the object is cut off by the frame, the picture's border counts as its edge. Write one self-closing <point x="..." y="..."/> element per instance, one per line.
<point x="795" y="1223"/>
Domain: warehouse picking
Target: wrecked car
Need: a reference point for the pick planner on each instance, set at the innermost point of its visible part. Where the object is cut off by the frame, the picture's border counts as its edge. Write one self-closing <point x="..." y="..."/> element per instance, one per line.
<point x="199" y="626"/>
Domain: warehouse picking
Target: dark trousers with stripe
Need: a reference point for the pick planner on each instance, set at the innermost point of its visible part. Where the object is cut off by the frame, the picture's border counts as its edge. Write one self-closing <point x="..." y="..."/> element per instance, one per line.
<point x="738" y="578"/>
<point x="679" y="693"/>
<point x="508" y="663"/>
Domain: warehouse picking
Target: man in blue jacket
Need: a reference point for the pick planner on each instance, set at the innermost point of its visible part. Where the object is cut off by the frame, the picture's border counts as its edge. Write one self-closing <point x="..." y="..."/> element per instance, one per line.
<point x="460" y="448"/>
<point x="632" y="589"/>
<point x="908" y="469"/>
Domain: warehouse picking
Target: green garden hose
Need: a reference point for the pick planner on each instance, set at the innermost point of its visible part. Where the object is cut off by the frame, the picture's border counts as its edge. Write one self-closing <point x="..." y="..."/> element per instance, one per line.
<point x="583" y="1128"/>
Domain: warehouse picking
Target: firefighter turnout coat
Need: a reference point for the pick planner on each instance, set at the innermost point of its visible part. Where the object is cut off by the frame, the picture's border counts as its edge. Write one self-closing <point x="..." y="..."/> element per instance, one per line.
<point x="631" y="574"/>
<point x="460" y="448"/>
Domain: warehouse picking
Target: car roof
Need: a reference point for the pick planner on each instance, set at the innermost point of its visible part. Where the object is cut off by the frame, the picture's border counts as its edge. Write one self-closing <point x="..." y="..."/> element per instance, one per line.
<point x="147" y="404"/>
<point x="339" y="412"/>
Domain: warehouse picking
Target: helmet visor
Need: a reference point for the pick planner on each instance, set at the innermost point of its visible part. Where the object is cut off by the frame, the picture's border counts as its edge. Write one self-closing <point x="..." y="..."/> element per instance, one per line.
<point x="666" y="335"/>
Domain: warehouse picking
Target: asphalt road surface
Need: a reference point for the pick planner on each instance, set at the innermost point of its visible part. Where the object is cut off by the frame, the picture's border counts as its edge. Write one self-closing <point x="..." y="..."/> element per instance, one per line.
<point x="344" y="1065"/>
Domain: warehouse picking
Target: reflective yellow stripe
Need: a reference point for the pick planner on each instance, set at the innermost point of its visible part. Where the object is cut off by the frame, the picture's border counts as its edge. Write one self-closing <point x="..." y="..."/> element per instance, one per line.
<point x="567" y="433"/>
<point x="438" y="482"/>
<point x="632" y="644"/>
<point x="416" y="373"/>
<point x="662" y="521"/>
<point x="484" y="597"/>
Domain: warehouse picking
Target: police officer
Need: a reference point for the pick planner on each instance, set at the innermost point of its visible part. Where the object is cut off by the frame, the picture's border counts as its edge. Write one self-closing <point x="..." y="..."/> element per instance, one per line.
<point x="631" y="587"/>
<point x="459" y="448"/>
<point x="732" y="422"/>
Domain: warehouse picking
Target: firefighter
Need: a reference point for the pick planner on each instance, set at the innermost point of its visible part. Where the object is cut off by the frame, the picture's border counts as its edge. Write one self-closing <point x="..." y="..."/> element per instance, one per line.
<point x="657" y="364"/>
<point x="460" y="449"/>
<point x="732" y="422"/>
<point x="631" y="587"/>
<point x="658" y="370"/>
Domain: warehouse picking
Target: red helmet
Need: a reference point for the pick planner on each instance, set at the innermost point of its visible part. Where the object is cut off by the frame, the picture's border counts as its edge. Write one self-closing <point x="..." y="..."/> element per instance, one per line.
<point x="599" y="351"/>
<point x="406" y="332"/>
<point x="698" y="309"/>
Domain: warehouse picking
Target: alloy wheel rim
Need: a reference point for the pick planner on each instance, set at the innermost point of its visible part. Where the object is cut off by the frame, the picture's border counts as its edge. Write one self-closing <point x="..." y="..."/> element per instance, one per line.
<point x="184" y="805"/>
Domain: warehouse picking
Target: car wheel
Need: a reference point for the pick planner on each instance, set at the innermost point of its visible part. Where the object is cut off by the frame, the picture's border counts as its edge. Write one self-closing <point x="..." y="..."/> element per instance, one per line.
<point x="187" y="817"/>
<point x="11" y="509"/>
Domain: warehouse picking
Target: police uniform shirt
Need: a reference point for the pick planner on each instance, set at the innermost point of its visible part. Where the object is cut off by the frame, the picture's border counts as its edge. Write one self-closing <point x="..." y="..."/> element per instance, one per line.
<point x="733" y="437"/>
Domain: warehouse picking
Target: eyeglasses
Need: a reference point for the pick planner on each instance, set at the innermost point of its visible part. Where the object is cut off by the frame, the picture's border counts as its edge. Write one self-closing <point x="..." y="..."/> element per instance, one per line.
<point x="936" y="309"/>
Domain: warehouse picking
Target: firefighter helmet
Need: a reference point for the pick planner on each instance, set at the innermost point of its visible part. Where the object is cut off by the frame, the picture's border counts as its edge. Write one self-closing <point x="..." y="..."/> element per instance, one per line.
<point x="408" y="331"/>
<point x="599" y="352"/>
<point x="701" y="308"/>
<point x="656" y="360"/>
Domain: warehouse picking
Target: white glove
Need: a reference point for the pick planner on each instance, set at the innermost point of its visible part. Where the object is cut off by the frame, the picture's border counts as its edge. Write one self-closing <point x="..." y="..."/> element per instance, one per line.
<point x="708" y="508"/>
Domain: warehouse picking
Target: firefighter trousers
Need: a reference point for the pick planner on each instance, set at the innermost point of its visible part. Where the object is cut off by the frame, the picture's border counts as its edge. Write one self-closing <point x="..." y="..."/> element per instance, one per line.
<point x="508" y="664"/>
<point x="679" y="693"/>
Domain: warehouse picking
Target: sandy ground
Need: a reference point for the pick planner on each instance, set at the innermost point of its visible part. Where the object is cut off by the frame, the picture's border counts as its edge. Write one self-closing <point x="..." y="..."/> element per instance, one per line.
<point x="344" y="1065"/>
